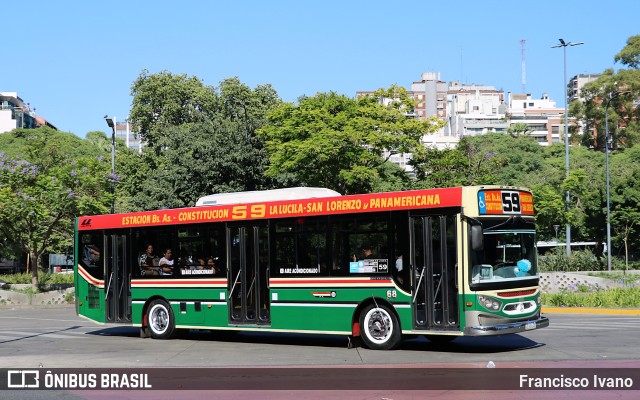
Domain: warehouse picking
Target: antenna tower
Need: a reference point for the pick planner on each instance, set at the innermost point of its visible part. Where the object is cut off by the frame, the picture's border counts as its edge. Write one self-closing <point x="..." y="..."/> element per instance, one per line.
<point x="524" y="76"/>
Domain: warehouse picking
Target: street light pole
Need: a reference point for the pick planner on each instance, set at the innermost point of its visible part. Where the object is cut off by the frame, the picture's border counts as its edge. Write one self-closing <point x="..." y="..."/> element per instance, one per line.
<point x="564" y="45"/>
<point x="112" y="125"/>
<point x="610" y="97"/>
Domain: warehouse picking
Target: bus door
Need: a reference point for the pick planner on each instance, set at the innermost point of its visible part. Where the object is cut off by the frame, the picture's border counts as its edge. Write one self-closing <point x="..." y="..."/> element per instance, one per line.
<point x="117" y="279"/>
<point x="248" y="249"/>
<point x="433" y="263"/>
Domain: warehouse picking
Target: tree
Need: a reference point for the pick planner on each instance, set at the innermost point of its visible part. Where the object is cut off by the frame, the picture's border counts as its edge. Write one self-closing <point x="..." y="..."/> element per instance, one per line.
<point x="333" y="141"/>
<point x="44" y="189"/>
<point x="163" y="100"/>
<point x="192" y="158"/>
<point x="630" y="54"/>
<point x="198" y="159"/>
<point x="100" y="140"/>
<point x="440" y="168"/>
<point x="623" y="113"/>
<point x="493" y="158"/>
<point x="550" y="209"/>
<point x="625" y="220"/>
<point x="519" y="129"/>
<point x="625" y="196"/>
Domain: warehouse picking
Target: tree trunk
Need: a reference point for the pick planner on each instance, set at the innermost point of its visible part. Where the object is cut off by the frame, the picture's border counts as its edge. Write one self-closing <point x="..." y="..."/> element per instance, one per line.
<point x="626" y="256"/>
<point x="33" y="264"/>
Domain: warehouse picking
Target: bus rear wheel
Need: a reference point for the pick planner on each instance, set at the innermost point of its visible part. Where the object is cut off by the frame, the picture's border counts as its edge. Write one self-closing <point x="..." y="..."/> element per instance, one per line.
<point x="379" y="328"/>
<point x="160" y="320"/>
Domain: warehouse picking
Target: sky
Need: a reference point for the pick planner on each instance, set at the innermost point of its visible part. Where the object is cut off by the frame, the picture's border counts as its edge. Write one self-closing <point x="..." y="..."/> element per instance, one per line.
<point x="75" y="61"/>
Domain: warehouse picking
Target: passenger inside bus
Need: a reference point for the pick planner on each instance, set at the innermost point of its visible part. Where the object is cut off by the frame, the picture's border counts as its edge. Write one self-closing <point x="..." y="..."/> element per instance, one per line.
<point x="208" y="263"/>
<point x="166" y="262"/>
<point x="367" y="252"/>
<point x="399" y="268"/>
<point x="91" y="255"/>
<point x="211" y="264"/>
<point x="148" y="262"/>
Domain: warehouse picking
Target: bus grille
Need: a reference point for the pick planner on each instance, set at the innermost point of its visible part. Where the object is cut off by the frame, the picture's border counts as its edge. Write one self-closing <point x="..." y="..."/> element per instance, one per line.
<point x="523" y="307"/>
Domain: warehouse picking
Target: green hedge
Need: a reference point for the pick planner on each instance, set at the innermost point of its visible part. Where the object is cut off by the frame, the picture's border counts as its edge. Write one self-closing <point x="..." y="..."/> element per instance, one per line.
<point x="44" y="278"/>
<point x="627" y="297"/>
<point x="584" y="260"/>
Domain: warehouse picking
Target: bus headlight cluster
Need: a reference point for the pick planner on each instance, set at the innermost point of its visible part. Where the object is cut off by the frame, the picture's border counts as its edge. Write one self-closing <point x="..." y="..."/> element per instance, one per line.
<point x="490" y="303"/>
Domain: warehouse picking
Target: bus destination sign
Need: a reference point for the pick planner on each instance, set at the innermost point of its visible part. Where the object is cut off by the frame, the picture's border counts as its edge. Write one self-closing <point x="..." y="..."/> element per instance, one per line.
<point x="429" y="198"/>
<point x="500" y="202"/>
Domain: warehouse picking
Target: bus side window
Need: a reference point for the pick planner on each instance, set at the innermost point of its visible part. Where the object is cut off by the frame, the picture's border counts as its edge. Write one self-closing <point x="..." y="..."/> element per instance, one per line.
<point x="92" y="255"/>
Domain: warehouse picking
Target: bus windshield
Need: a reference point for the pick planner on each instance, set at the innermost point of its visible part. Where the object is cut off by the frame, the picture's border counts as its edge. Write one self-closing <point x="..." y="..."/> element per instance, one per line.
<point x="509" y="254"/>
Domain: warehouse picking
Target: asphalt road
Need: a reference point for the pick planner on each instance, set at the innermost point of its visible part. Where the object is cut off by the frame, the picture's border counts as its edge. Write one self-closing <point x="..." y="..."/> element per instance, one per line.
<point x="57" y="338"/>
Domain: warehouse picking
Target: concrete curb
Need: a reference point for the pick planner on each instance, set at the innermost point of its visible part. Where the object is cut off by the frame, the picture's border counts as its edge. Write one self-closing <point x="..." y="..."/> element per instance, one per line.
<point x="51" y="297"/>
<point x="585" y="310"/>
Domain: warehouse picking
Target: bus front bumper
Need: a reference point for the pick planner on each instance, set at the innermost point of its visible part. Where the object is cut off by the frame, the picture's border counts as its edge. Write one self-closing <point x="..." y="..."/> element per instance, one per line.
<point x="507" y="328"/>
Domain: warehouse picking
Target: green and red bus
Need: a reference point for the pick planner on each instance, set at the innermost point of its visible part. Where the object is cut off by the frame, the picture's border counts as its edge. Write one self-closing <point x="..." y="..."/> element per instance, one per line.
<point x="443" y="263"/>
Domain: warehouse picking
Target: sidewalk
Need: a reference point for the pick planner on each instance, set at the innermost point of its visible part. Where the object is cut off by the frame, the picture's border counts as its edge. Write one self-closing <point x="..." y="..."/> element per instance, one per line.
<point x="588" y="310"/>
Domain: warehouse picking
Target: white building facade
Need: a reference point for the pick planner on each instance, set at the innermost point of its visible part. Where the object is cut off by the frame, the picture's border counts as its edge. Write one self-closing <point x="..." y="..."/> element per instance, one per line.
<point x="473" y="109"/>
<point x="15" y="113"/>
<point x="543" y="119"/>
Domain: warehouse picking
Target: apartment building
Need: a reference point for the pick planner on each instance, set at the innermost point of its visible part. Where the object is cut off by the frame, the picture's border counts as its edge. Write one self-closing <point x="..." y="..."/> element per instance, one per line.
<point x="430" y="93"/>
<point x="577" y="83"/>
<point x="544" y="120"/>
<point x="131" y="140"/>
<point x="474" y="110"/>
<point x="15" y="113"/>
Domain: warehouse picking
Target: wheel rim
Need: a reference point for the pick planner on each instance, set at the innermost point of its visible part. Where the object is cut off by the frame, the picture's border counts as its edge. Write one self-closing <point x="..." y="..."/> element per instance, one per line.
<point x="378" y="325"/>
<point x="159" y="319"/>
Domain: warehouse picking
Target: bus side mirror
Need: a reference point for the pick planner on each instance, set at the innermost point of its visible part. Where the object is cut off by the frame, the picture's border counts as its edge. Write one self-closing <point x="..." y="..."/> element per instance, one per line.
<point x="477" y="238"/>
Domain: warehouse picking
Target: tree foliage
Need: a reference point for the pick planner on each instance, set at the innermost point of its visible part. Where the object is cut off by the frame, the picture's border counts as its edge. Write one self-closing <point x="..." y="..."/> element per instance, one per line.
<point x="520" y="161"/>
<point x="50" y="178"/>
<point x="630" y="54"/>
<point x="625" y="196"/>
<point x="163" y="100"/>
<point x="519" y="129"/>
<point x="611" y="97"/>
<point x="487" y="159"/>
<point x="195" y="151"/>
<point x="333" y="141"/>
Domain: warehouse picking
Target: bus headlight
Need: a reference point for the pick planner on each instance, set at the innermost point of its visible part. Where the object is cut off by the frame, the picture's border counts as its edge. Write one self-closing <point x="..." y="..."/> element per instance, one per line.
<point x="490" y="303"/>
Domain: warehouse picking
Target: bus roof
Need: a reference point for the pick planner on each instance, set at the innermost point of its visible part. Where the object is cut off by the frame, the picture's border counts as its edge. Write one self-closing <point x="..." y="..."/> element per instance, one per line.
<point x="294" y="193"/>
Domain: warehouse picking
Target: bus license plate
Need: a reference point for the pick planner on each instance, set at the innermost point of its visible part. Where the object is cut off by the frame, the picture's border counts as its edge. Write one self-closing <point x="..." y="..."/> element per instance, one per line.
<point x="530" y="325"/>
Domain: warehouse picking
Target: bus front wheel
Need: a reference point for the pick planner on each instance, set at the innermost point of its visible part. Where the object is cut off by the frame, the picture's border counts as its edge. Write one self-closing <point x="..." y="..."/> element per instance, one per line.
<point x="379" y="328"/>
<point x="160" y="320"/>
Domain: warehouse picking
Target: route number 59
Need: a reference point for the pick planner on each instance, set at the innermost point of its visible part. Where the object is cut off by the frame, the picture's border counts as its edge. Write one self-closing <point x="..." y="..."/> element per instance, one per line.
<point x="511" y="202"/>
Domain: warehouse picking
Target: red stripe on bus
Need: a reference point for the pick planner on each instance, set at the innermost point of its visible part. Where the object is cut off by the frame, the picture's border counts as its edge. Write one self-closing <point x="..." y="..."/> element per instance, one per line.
<point x="178" y="283"/>
<point x="517" y="293"/>
<point x="329" y="281"/>
<point x="88" y="277"/>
